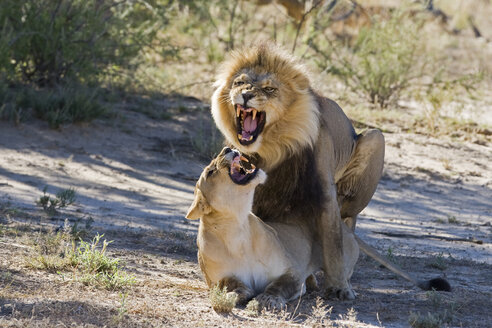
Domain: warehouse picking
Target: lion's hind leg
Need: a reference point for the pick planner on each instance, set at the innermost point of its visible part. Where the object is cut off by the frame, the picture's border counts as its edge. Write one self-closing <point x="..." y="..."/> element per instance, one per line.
<point x="311" y="283"/>
<point x="280" y="291"/>
<point x="360" y="179"/>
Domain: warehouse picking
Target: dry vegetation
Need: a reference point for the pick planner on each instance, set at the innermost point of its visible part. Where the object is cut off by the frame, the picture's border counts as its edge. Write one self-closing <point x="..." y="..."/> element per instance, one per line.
<point x="423" y="80"/>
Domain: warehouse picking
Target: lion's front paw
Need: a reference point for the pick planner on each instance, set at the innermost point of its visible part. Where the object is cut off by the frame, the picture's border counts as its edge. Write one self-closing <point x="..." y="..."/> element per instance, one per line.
<point x="271" y="302"/>
<point x="343" y="294"/>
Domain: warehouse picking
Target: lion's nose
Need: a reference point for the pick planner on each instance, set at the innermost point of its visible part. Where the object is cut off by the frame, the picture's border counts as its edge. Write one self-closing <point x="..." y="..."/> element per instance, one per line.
<point x="247" y="96"/>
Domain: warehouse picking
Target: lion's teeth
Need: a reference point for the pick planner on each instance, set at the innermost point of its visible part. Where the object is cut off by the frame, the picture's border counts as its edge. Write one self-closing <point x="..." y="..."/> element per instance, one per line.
<point x="250" y="138"/>
<point x="254" y="114"/>
<point x="253" y="167"/>
<point x="238" y="111"/>
<point x="244" y="159"/>
<point x="239" y="136"/>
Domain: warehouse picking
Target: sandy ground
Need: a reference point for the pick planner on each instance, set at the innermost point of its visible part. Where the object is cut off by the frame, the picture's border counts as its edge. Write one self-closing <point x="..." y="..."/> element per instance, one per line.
<point x="134" y="176"/>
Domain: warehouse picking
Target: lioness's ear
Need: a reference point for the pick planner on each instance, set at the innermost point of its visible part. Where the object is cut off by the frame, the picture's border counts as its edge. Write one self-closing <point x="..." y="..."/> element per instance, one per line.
<point x="199" y="207"/>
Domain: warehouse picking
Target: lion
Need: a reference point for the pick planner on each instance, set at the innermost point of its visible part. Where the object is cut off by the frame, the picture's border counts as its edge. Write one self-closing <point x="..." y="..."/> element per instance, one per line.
<point x="237" y="250"/>
<point x="273" y="262"/>
<point x="320" y="171"/>
<point x="318" y="167"/>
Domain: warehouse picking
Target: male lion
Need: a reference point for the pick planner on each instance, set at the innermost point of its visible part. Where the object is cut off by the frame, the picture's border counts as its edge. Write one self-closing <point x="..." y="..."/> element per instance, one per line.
<point x="239" y="251"/>
<point x="319" y="170"/>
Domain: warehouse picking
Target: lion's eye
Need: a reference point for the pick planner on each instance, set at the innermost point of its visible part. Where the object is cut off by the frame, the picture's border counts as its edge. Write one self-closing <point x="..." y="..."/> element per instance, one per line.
<point x="238" y="83"/>
<point x="269" y="89"/>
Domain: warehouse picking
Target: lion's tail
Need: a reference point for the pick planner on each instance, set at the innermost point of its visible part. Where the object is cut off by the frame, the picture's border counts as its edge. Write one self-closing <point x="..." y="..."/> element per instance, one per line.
<point x="433" y="284"/>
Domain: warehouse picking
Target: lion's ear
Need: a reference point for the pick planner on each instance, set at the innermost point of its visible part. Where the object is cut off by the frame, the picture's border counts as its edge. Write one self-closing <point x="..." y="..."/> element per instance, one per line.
<point x="199" y="207"/>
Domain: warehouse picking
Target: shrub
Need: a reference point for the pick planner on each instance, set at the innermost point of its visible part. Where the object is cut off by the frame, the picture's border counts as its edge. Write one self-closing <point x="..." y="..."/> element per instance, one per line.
<point x="51" y="41"/>
<point x="53" y="53"/>
<point x="381" y="62"/>
<point x="62" y="199"/>
<point x="65" y="104"/>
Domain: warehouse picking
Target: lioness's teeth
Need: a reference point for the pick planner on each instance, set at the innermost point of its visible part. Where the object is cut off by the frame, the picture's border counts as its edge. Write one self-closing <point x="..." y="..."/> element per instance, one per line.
<point x="253" y="167"/>
<point x="244" y="159"/>
<point x="250" y="138"/>
<point x="239" y="136"/>
<point x="254" y="114"/>
<point x="238" y="111"/>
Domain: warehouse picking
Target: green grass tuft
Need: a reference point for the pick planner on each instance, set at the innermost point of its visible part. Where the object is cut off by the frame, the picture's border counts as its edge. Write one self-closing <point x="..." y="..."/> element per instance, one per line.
<point x="88" y="260"/>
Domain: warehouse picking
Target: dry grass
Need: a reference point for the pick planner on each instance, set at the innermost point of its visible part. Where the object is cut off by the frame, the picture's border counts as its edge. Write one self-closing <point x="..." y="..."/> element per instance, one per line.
<point x="417" y="320"/>
<point x="221" y="300"/>
<point x="86" y="262"/>
<point x="169" y="290"/>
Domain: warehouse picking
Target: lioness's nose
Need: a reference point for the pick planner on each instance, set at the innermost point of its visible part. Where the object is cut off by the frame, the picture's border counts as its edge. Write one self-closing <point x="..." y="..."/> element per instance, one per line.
<point x="247" y="96"/>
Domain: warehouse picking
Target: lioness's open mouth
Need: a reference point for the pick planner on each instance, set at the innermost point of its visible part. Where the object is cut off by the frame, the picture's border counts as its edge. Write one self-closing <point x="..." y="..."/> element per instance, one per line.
<point x="239" y="172"/>
<point x="250" y="123"/>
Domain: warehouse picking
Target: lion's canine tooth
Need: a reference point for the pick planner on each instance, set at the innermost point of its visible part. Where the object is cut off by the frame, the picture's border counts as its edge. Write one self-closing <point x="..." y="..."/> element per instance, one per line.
<point x="239" y="136"/>
<point x="250" y="138"/>
<point x="238" y="111"/>
<point x="254" y="114"/>
<point x="244" y="159"/>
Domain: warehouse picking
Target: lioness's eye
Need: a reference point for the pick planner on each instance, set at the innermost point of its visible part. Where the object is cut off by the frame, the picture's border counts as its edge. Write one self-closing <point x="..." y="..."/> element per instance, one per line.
<point x="237" y="83"/>
<point x="269" y="89"/>
<point x="210" y="172"/>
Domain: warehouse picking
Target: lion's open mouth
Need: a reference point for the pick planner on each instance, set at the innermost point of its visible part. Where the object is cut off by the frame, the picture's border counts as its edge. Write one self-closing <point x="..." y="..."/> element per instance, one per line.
<point x="241" y="171"/>
<point x="250" y="123"/>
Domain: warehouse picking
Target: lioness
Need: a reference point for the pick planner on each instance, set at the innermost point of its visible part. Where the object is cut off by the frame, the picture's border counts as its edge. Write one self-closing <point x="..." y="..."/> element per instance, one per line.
<point x="238" y="250"/>
<point x="319" y="170"/>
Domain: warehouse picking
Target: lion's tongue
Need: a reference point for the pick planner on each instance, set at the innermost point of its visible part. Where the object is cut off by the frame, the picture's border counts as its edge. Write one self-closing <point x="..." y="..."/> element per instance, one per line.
<point x="249" y="124"/>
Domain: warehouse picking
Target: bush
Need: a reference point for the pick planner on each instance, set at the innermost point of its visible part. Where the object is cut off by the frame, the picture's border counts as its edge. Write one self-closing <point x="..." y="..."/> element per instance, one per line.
<point x="381" y="62"/>
<point x="51" y="41"/>
<point x="54" y="52"/>
<point x="57" y="105"/>
<point x="65" y="104"/>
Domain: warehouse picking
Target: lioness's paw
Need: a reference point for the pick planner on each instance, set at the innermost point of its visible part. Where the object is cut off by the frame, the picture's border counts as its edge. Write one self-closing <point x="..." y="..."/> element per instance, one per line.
<point x="243" y="295"/>
<point x="271" y="302"/>
<point x="343" y="294"/>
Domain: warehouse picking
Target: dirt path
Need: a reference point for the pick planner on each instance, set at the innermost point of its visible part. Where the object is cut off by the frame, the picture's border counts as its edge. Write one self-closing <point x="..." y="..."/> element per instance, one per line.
<point x="134" y="176"/>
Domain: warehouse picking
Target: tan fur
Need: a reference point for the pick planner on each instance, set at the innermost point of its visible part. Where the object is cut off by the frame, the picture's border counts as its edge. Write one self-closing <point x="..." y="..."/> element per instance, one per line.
<point x="286" y="130"/>
<point x="239" y="251"/>
<point x="319" y="170"/>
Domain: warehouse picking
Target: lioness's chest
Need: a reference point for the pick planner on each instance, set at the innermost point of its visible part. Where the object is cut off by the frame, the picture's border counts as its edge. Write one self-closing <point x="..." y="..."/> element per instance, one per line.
<point x="255" y="268"/>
